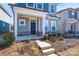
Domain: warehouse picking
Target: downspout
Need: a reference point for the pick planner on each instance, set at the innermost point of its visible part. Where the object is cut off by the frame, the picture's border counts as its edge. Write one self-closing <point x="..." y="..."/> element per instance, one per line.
<point x="13" y="20"/>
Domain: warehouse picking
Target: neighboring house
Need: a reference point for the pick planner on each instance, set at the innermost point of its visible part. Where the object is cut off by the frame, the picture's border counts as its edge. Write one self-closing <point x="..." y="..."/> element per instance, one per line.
<point x="34" y="19"/>
<point x="4" y="27"/>
<point x="4" y="17"/>
<point x="69" y="21"/>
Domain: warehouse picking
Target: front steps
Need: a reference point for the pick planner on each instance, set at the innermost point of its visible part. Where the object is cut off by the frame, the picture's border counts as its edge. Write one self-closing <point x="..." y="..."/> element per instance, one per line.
<point x="46" y="48"/>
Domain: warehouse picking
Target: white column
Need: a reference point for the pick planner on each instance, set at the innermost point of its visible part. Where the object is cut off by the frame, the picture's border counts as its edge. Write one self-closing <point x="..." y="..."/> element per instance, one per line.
<point x="76" y="29"/>
<point x="15" y="26"/>
<point x="39" y="24"/>
<point x="43" y="25"/>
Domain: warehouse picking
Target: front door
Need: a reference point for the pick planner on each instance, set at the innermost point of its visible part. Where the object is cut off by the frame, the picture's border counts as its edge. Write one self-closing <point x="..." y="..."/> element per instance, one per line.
<point x="33" y="27"/>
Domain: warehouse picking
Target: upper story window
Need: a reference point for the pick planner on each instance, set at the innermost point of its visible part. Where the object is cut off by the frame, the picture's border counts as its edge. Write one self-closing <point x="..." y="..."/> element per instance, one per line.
<point x="31" y="5"/>
<point x="52" y="8"/>
<point x="21" y="22"/>
<point x="39" y="6"/>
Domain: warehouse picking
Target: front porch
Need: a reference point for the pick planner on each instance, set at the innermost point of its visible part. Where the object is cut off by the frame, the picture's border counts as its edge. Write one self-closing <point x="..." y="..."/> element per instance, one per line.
<point x="31" y="22"/>
<point x="32" y="25"/>
<point x="31" y="37"/>
<point x="71" y="27"/>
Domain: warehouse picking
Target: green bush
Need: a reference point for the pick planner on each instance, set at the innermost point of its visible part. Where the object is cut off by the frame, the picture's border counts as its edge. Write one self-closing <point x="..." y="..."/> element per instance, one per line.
<point x="45" y="37"/>
<point x="56" y="38"/>
<point x="8" y="39"/>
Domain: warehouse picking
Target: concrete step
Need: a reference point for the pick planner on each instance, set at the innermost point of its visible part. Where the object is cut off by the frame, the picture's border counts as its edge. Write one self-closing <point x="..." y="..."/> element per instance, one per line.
<point x="52" y="55"/>
<point x="48" y="51"/>
<point x="43" y="45"/>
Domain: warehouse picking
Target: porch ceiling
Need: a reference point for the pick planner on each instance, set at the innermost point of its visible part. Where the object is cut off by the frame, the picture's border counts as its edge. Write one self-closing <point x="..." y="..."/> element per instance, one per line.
<point x="26" y="16"/>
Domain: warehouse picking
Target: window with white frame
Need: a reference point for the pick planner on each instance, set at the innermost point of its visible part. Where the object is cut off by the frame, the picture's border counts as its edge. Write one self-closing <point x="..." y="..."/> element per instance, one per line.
<point x="52" y="8"/>
<point x="73" y="13"/>
<point x="46" y="25"/>
<point x="39" y="6"/>
<point x="31" y="5"/>
<point x="21" y="22"/>
<point x="53" y="25"/>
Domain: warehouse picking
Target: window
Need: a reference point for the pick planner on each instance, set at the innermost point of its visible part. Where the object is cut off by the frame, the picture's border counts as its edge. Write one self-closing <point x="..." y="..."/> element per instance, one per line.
<point x="52" y="8"/>
<point x="21" y="22"/>
<point x="53" y="25"/>
<point x="73" y="13"/>
<point x="53" y="28"/>
<point x="4" y="24"/>
<point x="45" y="28"/>
<point x="31" y="5"/>
<point x="39" y="6"/>
<point x="46" y="25"/>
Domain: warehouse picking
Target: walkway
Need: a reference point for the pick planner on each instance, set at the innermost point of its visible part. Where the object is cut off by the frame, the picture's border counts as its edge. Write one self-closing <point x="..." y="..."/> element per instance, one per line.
<point x="46" y="48"/>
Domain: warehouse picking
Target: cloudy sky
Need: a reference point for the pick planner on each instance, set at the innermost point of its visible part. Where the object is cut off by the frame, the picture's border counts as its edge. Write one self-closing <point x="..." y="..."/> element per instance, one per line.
<point x="67" y="5"/>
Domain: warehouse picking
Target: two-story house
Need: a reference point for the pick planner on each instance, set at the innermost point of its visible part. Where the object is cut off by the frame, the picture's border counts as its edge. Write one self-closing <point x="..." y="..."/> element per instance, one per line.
<point x="34" y="19"/>
<point x="68" y="21"/>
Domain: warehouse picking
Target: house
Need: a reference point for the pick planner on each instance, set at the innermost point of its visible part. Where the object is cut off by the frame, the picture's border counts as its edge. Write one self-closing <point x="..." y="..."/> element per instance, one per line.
<point x="69" y="21"/>
<point x="34" y="19"/>
<point x="4" y="17"/>
<point x="4" y="27"/>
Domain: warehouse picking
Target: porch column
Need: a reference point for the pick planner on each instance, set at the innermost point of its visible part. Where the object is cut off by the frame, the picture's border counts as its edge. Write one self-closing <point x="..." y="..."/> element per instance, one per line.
<point x="15" y="26"/>
<point x="43" y="25"/>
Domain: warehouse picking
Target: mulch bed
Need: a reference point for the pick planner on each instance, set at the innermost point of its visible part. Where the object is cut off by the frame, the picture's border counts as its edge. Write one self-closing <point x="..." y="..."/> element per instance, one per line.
<point x="64" y="44"/>
<point x="23" y="48"/>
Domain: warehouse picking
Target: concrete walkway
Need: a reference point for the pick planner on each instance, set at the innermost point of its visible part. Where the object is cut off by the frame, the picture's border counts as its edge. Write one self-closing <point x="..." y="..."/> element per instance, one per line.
<point x="46" y="48"/>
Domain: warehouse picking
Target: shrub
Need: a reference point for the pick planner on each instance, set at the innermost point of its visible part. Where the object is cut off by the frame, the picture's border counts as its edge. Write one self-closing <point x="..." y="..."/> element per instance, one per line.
<point x="52" y="38"/>
<point x="45" y="37"/>
<point x="8" y="39"/>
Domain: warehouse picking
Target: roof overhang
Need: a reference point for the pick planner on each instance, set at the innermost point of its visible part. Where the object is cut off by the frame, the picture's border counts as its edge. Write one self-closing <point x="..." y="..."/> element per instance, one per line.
<point x="71" y="20"/>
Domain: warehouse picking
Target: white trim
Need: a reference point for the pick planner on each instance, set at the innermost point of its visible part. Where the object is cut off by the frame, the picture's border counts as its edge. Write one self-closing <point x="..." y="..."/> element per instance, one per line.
<point x="20" y="21"/>
<point x="30" y="6"/>
<point x="38" y="8"/>
<point x="50" y="8"/>
<point x="39" y="24"/>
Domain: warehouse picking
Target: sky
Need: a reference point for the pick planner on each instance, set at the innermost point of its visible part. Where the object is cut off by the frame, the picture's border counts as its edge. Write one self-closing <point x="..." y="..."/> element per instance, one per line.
<point x="67" y="5"/>
<point x="59" y="7"/>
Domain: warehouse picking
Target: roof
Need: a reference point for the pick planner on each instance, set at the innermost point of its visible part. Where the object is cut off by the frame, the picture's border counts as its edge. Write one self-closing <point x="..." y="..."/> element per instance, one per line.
<point x="28" y="8"/>
<point x="5" y="11"/>
<point x="65" y="10"/>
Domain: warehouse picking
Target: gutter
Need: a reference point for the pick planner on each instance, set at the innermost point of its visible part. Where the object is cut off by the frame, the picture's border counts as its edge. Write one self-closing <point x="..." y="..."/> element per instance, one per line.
<point x="13" y="18"/>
